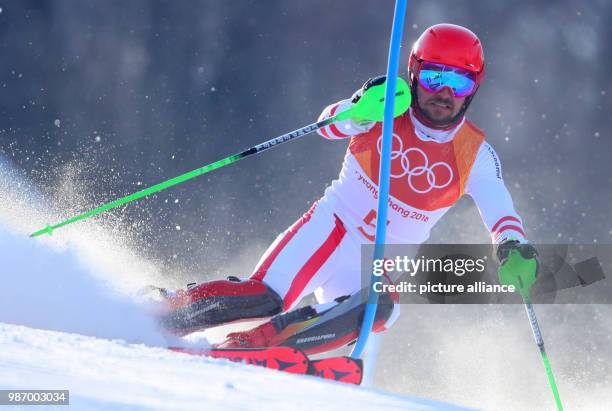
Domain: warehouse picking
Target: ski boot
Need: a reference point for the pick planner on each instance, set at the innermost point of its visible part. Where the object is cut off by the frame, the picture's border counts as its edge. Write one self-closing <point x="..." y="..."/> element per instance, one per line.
<point x="314" y="329"/>
<point x="214" y="303"/>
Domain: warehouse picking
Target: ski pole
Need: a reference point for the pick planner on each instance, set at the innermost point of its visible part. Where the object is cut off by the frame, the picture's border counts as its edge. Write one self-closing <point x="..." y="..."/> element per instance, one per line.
<point x="369" y="107"/>
<point x="537" y="334"/>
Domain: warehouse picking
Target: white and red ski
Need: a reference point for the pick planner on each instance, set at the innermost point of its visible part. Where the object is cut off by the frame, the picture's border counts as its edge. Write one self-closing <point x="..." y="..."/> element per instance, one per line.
<point x="288" y="359"/>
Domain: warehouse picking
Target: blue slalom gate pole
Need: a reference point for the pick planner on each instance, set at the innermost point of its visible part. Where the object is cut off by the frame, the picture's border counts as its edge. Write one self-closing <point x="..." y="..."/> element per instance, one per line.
<point x="383" y="176"/>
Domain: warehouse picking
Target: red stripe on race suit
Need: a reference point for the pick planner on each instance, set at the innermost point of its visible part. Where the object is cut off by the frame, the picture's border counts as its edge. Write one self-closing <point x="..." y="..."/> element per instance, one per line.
<point x="315" y="262"/>
<point x="333" y="127"/>
<point x="503" y="220"/>
<point x="260" y="272"/>
<point x="324" y="132"/>
<point x="509" y="227"/>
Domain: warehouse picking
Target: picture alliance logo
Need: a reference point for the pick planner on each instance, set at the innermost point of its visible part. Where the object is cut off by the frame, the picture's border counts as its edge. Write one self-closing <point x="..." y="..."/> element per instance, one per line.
<point x="413" y="164"/>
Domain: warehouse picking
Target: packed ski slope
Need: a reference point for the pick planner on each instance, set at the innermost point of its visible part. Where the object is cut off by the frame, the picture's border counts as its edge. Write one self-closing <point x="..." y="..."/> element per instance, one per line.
<point x="110" y="375"/>
<point x="69" y="319"/>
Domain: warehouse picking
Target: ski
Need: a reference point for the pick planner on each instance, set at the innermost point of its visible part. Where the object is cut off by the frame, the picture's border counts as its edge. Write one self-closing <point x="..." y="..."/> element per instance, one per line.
<point x="287" y="359"/>
<point x="343" y="369"/>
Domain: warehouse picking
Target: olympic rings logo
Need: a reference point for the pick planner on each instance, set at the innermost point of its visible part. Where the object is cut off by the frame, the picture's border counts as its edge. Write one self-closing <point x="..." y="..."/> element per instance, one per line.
<point x="416" y="171"/>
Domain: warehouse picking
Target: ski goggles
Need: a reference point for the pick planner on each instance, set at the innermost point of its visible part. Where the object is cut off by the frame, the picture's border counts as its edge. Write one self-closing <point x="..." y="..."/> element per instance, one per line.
<point x="434" y="77"/>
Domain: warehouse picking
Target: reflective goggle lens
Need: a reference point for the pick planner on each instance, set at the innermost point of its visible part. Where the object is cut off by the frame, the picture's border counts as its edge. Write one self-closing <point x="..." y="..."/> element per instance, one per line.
<point x="434" y="77"/>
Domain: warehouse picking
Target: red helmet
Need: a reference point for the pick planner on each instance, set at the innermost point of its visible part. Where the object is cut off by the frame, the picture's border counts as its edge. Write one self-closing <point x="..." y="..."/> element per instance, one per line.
<point x="451" y="45"/>
<point x="448" y="44"/>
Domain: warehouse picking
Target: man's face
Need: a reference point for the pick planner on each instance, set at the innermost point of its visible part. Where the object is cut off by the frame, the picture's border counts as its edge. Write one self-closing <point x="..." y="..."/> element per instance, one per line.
<point x="441" y="107"/>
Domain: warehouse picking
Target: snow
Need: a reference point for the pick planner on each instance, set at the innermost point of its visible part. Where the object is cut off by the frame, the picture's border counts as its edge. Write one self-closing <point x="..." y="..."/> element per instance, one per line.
<point x="109" y="375"/>
<point x="106" y="349"/>
<point x="57" y="289"/>
<point x="69" y="319"/>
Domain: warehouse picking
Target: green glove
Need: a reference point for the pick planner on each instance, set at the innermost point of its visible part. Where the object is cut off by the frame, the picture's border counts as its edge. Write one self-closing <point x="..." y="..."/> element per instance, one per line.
<point x="371" y="82"/>
<point x="519" y="266"/>
<point x="368" y="101"/>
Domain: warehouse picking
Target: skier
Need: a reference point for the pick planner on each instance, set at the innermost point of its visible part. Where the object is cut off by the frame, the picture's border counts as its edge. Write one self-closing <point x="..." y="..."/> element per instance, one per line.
<point x="437" y="156"/>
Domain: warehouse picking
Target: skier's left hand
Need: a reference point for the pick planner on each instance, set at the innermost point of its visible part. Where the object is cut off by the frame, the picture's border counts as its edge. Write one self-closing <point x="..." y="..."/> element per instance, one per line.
<point x="371" y="82"/>
<point x="364" y="126"/>
<point x="519" y="266"/>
